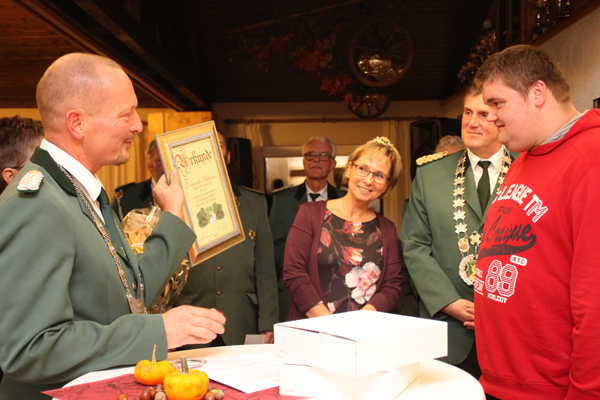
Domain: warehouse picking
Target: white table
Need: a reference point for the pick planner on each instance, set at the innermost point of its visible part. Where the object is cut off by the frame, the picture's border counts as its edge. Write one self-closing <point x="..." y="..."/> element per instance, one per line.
<point x="438" y="380"/>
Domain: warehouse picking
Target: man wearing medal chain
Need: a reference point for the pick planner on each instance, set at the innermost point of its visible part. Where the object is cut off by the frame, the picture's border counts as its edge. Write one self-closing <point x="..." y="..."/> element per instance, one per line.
<point x="441" y="228"/>
<point x="73" y="292"/>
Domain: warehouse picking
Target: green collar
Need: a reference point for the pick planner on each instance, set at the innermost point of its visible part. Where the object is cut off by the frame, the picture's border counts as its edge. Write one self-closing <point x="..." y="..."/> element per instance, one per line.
<point x="43" y="159"/>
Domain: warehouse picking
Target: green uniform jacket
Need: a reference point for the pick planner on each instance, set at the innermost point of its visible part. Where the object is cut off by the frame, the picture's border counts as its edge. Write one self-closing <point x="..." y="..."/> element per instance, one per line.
<point x="241" y="281"/>
<point x="286" y="203"/>
<point x="430" y="245"/>
<point x="64" y="310"/>
<point x="135" y="195"/>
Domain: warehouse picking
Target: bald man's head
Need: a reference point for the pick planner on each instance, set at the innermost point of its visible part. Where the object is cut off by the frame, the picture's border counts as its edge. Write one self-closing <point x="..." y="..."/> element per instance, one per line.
<point x="72" y="81"/>
<point x="88" y="107"/>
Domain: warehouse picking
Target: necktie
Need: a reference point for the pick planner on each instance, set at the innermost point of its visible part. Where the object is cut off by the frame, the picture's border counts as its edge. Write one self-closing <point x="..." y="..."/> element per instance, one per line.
<point x="483" y="189"/>
<point x="109" y="221"/>
<point x="314" y="196"/>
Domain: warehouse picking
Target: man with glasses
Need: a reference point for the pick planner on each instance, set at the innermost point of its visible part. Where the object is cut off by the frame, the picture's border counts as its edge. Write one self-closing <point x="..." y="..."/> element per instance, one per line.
<point x="319" y="161"/>
<point x="443" y="223"/>
<point x="18" y="139"/>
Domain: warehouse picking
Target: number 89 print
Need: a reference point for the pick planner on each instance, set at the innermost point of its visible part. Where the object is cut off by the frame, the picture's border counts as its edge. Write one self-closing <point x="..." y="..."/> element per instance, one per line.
<point x="500" y="278"/>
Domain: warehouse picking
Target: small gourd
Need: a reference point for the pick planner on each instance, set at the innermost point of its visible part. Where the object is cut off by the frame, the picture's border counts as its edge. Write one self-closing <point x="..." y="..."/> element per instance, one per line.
<point x="152" y="372"/>
<point x="186" y="384"/>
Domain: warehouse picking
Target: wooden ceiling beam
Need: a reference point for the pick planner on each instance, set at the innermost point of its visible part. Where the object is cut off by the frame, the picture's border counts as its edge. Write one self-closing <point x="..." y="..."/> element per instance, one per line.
<point x="127" y="29"/>
<point x="179" y="97"/>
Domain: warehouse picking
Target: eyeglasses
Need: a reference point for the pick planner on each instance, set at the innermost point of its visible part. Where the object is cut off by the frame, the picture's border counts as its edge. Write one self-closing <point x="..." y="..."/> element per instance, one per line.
<point x="363" y="171"/>
<point x="312" y="156"/>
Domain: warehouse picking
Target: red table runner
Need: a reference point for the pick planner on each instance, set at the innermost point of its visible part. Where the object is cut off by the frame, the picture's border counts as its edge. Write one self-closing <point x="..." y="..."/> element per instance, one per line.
<point x="109" y="389"/>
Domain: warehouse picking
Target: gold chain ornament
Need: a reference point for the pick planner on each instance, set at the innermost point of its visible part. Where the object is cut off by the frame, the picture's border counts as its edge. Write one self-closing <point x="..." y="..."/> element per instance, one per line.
<point x="466" y="268"/>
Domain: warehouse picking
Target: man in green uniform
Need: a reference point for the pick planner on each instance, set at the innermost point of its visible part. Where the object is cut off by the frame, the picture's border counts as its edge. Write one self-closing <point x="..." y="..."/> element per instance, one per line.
<point x="18" y="139"/>
<point x="319" y="161"/>
<point x="241" y="281"/>
<point x="73" y="291"/>
<point x="139" y="195"/>
<point x="442" y="227"/>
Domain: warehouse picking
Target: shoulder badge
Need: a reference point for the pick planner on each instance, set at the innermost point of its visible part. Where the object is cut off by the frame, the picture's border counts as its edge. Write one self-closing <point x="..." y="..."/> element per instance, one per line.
<point x="30" y="182"/>
<point x="254" y="190"/>
<point x="281" y="189"/>
<point x="121" y="188"/>
<point x="431" y="157"/>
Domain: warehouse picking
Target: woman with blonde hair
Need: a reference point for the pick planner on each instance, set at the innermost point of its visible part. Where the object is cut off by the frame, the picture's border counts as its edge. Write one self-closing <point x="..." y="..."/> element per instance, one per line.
<point x="340" y="255"/>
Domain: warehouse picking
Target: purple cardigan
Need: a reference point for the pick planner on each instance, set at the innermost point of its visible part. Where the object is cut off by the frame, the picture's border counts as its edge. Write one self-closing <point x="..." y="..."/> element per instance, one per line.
<point x="301" y="272"/>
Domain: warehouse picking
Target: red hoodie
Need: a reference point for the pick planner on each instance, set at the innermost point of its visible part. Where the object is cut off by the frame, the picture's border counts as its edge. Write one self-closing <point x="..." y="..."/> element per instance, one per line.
<point x="537" y="292"/>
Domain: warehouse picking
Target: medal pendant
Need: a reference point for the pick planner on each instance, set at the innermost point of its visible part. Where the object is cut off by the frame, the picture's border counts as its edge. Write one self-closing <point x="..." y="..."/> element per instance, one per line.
<point x="463" y="245"/>
<point x="136" y="306"/>
<point x="466" y="269"/>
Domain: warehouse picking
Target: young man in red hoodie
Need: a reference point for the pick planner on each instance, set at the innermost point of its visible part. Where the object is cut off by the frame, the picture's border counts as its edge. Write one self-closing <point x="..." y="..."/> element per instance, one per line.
<point x="536" y="291"/>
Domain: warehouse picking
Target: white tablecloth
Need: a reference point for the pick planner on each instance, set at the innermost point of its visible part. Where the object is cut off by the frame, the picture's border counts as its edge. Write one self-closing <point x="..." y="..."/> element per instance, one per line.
<point x="437" y="381"/>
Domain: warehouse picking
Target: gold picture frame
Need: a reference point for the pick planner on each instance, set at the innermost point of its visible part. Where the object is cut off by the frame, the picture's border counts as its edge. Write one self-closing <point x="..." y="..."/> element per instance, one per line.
<point x="209" y="208"/>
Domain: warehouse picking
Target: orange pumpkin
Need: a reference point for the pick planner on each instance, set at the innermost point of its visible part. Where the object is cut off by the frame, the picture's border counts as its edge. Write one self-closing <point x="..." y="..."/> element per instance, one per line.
<point x="186" y="384"/>
<point x="152" y="372"/>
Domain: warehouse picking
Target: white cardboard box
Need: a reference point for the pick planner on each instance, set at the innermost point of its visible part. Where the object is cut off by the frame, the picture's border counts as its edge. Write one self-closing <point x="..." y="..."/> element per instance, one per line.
<point x="359" y="343"/>
<point x="305" y="381"/>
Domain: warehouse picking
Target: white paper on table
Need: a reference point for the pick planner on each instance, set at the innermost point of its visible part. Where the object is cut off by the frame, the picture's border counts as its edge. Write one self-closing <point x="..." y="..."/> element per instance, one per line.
<point x="255" y="339"/>
<point x="248" y="373"/>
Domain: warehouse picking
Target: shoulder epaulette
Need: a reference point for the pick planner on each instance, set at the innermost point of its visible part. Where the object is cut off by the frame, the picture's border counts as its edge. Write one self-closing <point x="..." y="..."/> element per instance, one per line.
<point x="254" y="190"/>
<point x="120" y="188"/>
<point x="431" y="157"/>
<point x="281" y="189"/>
<point x="31" y="182"/>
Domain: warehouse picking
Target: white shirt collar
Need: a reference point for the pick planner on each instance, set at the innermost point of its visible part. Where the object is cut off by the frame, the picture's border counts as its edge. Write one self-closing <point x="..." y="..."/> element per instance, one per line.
<point x="89" y="181"/>
<point x="322" y="192"/>
<point x="496" y="159"/>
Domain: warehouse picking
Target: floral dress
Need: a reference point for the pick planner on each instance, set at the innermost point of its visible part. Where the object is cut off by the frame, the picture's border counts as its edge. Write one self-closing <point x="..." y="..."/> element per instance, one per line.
<point x="350" y="258"/>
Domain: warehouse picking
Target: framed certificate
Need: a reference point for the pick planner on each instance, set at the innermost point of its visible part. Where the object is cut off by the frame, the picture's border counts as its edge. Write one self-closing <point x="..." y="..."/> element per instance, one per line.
<point x="209" y="208"/>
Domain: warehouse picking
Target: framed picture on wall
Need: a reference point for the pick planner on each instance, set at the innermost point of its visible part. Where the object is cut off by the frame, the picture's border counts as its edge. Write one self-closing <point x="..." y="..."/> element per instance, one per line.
<point x="209" y="208"/>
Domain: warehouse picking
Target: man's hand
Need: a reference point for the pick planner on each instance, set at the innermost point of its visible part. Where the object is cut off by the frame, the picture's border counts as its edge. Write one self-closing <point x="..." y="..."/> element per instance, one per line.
<point x="192" y="325"/>
<point x="169" y="197"/>
<point x="463" y="310"/>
